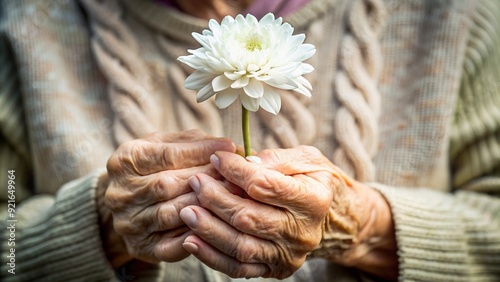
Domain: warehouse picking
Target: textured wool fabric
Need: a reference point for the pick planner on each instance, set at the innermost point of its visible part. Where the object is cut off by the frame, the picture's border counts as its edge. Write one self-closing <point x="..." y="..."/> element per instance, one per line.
<point x="409" y="95"/>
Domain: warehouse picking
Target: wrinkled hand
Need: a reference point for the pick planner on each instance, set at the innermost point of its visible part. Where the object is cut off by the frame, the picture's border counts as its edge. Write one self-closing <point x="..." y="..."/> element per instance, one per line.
<point x="270" y="232"/>
<point x="148" y="186"/>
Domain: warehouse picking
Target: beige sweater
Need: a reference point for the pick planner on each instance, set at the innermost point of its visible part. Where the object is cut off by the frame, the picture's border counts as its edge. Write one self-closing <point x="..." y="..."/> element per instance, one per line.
<point x="406" y="98"/>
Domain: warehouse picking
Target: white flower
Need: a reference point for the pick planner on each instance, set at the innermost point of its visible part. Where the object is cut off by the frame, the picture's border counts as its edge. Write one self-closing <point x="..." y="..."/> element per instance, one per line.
<point x="245" y="58"/>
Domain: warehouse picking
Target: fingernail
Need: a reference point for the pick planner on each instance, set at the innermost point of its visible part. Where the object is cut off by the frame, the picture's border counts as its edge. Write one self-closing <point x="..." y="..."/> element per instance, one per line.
<point x="195" y="184"/>
<point x="190" y="247"/>
<point x="254" y="159"/>
<point x="214" y="160"/>
<point x="189" y="217"/>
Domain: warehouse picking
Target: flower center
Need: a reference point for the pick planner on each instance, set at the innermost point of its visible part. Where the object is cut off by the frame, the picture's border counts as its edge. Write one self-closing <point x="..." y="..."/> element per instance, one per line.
<point x="253" y="43"/>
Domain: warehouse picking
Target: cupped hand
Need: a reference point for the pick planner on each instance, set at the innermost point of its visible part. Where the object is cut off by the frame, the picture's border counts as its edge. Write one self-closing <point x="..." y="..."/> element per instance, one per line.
<point x="282" y="219"/>
<point x="148" y="186"/>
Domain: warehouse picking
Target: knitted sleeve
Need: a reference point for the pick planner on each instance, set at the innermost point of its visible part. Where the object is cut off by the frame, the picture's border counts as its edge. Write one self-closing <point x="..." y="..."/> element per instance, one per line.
<point x="456" y="237"/>
<point x="56" y="239"/>
<point x="42" y="238"/>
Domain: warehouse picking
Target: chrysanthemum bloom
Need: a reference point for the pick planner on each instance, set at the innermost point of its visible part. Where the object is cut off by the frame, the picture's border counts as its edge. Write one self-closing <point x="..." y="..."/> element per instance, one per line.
<point x="247" y="59"/>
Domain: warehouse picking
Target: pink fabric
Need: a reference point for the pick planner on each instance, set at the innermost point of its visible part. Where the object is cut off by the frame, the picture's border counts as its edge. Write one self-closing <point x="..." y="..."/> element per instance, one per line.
<point x="279" y="8"/>
<point x="259" y="8"/>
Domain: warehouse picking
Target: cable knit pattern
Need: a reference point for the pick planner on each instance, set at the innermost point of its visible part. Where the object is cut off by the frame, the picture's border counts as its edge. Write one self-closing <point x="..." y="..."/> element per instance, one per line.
<point x="356" y="88"/>
<point x="132" y="89"/>
<point x="130" y="84"/>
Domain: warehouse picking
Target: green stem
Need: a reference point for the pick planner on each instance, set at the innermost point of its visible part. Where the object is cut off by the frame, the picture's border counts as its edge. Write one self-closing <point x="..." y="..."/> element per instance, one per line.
<point x="245" y="125"/>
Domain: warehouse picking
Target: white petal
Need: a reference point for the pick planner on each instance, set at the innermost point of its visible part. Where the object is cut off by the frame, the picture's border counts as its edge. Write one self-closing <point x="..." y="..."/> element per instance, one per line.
<point x="241" y="82"/>
<point x="203" y="40"/>
<point x="296" y="40"/>
<point x="227" y="20"/>
<point x="251" y="104"/>
<point x="214" y="27"/>
<point x="252" y="68"/>
<point x="254" y="89"/>
<point x="285" y="69"/>
<point x="304" y="82"/>
<point x="240" y="20"/>
<point x="308" y="50"/>
<point x="226" y="64"/>
<point x="302" y="90"/>
<point x="267" y="19"/>
<point x="225" y="68"/>
<point x="192" y="61"/>
<point x="306" y="68"/>
<point x="197" y="80"/>
<point x="250" y="19"/>
<point x="232" y="75"/>
<point x="271" y="101"/>
<point x="281" y="82"/>
<point x="225" y="98"/>
<point x="220" y="83"/>
<point x="205" y="93"/>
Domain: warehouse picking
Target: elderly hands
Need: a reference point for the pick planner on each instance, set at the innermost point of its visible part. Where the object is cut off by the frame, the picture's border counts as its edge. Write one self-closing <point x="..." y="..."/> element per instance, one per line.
<point x="175" y="194"/>
<point x="148" y="186"/>
<point x="298" y="202"/>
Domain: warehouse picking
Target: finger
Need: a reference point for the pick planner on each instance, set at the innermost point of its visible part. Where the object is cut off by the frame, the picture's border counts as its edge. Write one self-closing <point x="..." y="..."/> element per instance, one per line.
<point x="178" y="137"/>
<point x="143" y="157"/>
<point x="222" y="262"/>
<point x="161" y="217"/>
<point x="169" y="247"/>
<point x="248" y="216"/>
<point x="151" y="189"/>
<point x="167" y="185"/>
<point x="157" y="246"/>
<point x="233" y="189"/>
<point x="262" y="184"/>
<point x="165" y="216"/>
<point x="228" y="240"/>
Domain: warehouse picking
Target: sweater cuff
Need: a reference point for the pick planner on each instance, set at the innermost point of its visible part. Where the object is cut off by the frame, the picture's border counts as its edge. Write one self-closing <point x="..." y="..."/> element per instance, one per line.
<point x="429" y="234"/>
<point x="64" y="245"/>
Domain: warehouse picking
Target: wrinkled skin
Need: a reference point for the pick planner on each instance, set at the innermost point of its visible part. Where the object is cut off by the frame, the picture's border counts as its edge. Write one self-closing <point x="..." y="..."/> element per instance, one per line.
<point x="269" y="232"/>
<point x="148" y="186"/>
<point x="172" y="195"/>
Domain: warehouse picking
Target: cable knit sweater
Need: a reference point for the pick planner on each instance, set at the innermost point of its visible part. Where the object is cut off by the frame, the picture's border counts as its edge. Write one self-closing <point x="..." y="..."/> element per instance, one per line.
<point x="406" y="98"/>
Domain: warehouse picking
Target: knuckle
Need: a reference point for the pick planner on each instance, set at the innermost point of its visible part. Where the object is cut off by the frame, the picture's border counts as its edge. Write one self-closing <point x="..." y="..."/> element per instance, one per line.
<point x="136" y="151"/>
<point x="255" y="183"/>
<point x="170" y="156"/>
<point x="243" y="220"/>
<point x="113" y="199"/>
<point x="270" y="155"/>
<point x="125" y="228"/>
<point x="158" y="188"/>
<point x="163" y="216"/>
<point x="310" y="150"/>
<point x="243" y="251"/>
<point x="125" y="157"/>
<point x="113" y="165"/>
<point x="281" y="187"/>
